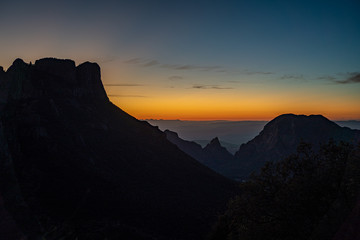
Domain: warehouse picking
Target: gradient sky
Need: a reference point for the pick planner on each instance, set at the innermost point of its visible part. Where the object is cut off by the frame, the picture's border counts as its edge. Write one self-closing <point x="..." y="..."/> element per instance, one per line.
<point x="195" y="60"/>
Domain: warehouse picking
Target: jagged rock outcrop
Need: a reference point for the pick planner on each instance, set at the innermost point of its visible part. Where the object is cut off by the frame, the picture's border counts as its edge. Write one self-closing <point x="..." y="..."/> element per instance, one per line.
<point x="281" y="136"/>
<point x="73" y="165"/>
<point x="212" y="155"/>
<point x="217" y="154"/>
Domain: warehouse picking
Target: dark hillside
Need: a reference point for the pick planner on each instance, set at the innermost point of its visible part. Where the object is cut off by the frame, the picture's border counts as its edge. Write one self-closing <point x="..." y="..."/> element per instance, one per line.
<point x="74" y="165"/>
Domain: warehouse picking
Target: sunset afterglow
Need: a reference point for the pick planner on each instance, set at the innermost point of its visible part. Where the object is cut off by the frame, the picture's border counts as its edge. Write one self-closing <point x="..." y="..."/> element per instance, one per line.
<point x="197" y="61"/>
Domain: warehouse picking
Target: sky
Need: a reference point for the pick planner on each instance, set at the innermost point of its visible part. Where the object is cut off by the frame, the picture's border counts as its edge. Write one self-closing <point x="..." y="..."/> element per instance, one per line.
<point x="201" y="60"/>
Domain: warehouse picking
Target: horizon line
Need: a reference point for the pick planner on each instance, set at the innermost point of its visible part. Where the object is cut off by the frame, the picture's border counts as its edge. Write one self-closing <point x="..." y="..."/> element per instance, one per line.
<point x="230" y="120"/>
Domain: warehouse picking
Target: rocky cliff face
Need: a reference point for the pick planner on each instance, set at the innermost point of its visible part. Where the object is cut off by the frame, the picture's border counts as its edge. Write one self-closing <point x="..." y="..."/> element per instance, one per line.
<point x="73" y="165"/>
<point x="53" y="78"/>
<point x="281" y="136"/>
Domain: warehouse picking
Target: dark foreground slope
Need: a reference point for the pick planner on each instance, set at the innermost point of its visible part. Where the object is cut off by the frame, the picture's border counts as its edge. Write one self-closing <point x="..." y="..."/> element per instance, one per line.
<point x="74" y="165"/>
<point x="281" y="136"/>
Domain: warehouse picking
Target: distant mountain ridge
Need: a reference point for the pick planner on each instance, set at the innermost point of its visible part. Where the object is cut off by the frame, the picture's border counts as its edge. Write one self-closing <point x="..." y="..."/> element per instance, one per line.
<point x="230" y="147"/>
<point x="73" y="165"/>
<point x="279" y="138"/>
<point x="353" y="124"/>
<point x="212" y="155"/>
<point x="233" y="132"/>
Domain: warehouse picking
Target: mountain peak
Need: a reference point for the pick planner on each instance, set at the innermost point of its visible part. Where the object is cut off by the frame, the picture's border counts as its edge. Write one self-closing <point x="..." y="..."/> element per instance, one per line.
<point x="215" y="142"/>
<point x="213" y="145"/>
<point x="17" y="65"/>
<point x="289" y="116"/>
<point x="18" y="62"/>
<point x="54" y="61"/>
<point x="286" y="122"/>
<point x="281" y="136"/>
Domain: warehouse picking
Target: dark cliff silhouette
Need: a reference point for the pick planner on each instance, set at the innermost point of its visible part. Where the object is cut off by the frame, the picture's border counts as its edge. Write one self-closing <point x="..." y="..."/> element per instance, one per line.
<point x="72" y="164"/>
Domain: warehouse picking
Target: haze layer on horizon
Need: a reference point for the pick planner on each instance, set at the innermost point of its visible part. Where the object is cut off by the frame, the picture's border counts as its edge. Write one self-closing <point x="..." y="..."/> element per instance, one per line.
<point x="234" y="132"/>
<point x="200" y="60"/>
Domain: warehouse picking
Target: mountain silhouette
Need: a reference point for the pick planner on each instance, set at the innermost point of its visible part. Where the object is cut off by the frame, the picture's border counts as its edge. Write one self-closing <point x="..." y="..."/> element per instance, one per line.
<point x="73" y="165"/>
<point x="217" y="155"/>
<point x="281" y="136"/>
<point x="212" y="155"/>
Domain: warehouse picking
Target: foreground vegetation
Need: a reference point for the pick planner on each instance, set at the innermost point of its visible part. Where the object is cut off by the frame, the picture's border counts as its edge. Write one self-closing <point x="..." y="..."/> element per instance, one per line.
<point x="308" y="195"/>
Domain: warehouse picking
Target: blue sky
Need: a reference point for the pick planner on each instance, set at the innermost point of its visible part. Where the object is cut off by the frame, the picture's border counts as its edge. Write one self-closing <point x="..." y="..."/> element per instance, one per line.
<point x="204" y="49"/>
